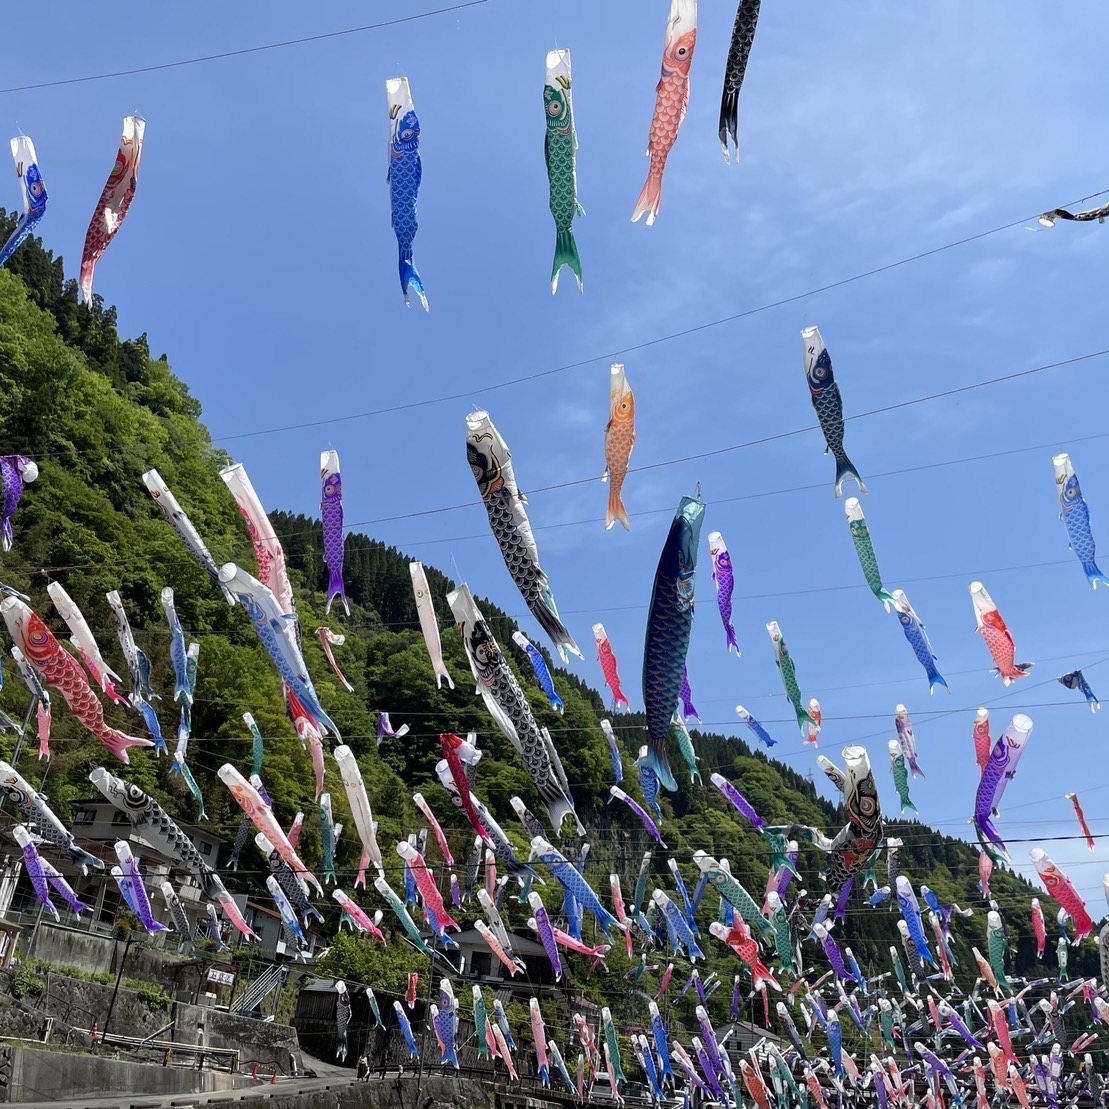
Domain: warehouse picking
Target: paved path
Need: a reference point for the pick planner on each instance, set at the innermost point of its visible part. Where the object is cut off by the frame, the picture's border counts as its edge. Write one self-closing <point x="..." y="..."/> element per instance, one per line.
<point x="219" y="1097"/>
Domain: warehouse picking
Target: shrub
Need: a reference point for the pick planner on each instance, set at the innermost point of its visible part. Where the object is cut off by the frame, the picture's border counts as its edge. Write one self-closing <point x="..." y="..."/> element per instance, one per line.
<point x="43" y="967"/>
<point x="152" y="994"/>
<point x="25" y="983"/>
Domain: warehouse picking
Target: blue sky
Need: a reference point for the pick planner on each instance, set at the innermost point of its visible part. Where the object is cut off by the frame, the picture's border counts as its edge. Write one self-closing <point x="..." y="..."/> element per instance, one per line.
<point x="258" y="254"/>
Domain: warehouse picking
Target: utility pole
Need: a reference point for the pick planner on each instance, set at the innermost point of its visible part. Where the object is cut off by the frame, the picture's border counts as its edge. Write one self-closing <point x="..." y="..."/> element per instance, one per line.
<point x="115" y="992"/>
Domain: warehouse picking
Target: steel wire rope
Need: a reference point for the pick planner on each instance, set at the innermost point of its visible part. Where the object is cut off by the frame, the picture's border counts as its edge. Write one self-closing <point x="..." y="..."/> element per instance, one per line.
<point x="611" y="353"/>
<point x="350" y="526"/>
<point x="322" y="37"/>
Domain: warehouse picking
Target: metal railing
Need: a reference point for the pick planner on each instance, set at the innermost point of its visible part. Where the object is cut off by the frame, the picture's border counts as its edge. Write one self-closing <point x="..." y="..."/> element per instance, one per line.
<point x="269" y="980"/>
<point x="170" y="1050"/>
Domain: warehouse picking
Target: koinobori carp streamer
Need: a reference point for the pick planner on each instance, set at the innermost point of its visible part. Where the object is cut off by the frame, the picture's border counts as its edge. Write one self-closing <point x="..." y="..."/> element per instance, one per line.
<point x="33" y="190"/>
<point x="491" y="464"/>
<point x="671" y="102"/>
<point x="404" y="177"/>
<point x="560" y="148"/>
<point x="669" y="624"/>
<point x="114" y="203"/>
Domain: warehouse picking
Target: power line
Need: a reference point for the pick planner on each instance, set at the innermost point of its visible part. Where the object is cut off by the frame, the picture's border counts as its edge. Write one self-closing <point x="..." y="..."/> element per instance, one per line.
<point x="474" y="390"/>
<point x="681" y="460"/>
<point x="776" y="437"/>
<point x="593" y="521"/>
<point x="935" y="715"/>
<point x="727" y="723"/>
<point x="923" y="715"/>
<point x="771" y="754"/>
<point x="920" y="716"/>
<point x="647" y="343"/>
<point x="925" y="837"/>
<point x="323" y="37"/>
<point x="351" y="625"/>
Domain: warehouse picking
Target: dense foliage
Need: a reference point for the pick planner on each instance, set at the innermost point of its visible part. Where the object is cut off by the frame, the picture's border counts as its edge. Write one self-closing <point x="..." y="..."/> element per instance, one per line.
<point x="96" y="411"/>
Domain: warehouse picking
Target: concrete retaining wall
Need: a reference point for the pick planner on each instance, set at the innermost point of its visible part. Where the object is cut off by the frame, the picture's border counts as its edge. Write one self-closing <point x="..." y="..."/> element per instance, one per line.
<point x="437" y="1093"/>
<point x="98" y="954"/>
<point x="79" y="1004"/>
<point x="42" y="1076"/>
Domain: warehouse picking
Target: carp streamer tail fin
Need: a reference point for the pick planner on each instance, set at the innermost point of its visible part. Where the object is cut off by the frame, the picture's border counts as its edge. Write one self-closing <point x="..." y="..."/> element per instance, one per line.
<point x="410" y="280"/>
<point x="845" y="468"/>
<point x="650" y="200"/>
<point x="566" y="254"/>
<point x="616" y="509"/>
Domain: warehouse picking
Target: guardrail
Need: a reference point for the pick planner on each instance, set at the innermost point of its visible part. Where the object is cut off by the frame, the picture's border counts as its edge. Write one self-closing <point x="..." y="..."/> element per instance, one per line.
<point x="228" y="1057"/>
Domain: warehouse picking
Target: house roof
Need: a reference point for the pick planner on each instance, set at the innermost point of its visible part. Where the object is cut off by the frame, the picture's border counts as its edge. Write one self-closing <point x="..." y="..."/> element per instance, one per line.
<point x="521" y="945"/>
<point x="262" y="909"/>
<point x="321" y="985"/>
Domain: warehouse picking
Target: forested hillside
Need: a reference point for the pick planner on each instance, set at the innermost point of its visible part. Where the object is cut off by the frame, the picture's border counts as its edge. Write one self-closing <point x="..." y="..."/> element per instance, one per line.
<point x="96" y="411"/>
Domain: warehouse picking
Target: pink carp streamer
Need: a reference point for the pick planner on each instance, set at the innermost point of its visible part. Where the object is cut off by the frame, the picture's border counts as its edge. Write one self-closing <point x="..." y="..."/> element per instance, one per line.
<point x="671" y="102"/>
<point x="42" y="716"/>
<point x="985" y="872"/>
<point x="994" y="630"/>
<point x="1039" y="927"/>
<point x="1059" y="886"/>
<point x="436" y="828"/>
<point x="1073" y="799"/>
<point x="327" y="638"/>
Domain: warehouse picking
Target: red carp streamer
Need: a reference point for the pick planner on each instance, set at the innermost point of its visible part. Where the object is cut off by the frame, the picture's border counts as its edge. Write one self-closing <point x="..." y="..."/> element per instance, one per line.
<point x="1073" y="799"/>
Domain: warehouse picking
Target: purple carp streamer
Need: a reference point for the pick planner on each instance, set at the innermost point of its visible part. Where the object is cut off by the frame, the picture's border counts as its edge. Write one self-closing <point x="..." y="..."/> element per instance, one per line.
<point x="35" y="869"/>
<point x="739" y="801"/>
<point x="17" y="471"/>
<point x="998" y="773"/>
<point x="331" y="512"/>
<point x="723" y="576"/>
<point x="619" y="795"/>
<point x="132" y="881"/>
